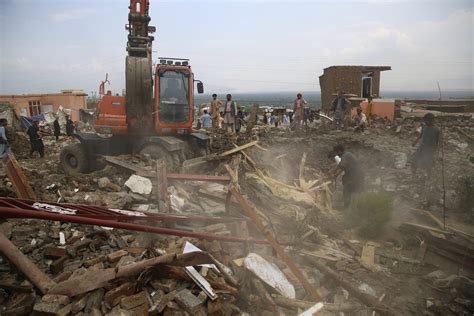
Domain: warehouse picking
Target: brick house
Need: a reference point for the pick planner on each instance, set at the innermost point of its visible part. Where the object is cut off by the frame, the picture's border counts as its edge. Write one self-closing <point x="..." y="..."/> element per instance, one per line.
<point x="360" y="81"/>
<point x="33" y="104"/>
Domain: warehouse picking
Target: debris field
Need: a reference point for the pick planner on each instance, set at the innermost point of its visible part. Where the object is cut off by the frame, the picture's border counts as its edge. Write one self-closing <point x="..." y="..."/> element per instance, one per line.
<point x="255" y="228"/>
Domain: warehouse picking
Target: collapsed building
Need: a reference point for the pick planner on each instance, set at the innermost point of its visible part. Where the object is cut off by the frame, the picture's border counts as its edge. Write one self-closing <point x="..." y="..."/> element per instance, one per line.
<point x="250" y="230"/>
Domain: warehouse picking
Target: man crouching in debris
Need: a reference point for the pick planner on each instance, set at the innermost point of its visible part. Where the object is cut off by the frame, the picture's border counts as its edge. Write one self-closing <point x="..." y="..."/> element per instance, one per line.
<point x="424" y="156"/>
<point x="359" y="121"/>
<point x="353" y="179"/>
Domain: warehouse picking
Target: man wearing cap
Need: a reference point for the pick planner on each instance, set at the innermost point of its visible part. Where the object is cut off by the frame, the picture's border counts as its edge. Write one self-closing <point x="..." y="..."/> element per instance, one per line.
<point x="215" y="111"/>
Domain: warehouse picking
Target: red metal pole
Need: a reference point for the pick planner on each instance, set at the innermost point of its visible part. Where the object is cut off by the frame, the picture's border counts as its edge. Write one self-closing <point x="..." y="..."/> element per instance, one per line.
<point x="9" y="212"/>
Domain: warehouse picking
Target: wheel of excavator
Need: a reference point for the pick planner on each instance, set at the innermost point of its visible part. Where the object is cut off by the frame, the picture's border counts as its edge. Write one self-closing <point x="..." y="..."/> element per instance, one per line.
<point x="155" y="151"/>
<point x="74" y="159"/>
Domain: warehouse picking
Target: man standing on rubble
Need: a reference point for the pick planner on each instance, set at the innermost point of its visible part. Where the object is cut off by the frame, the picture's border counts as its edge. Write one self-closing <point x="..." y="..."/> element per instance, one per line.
<point x="369" y="109"/>
<point x="239" y="120"/>
<point x="69" y="126"/>
<point x="230" y="110"/>
<point x="353" y="179"/>
<point x="339" y="107"/>
<point x="36" y="142"/>
<point x="425" y="155"/>
<point x="57" y="129"/>
<point x="3" y="137"/>
<point x="298" y="108"/>
<point x="216" y="105"/>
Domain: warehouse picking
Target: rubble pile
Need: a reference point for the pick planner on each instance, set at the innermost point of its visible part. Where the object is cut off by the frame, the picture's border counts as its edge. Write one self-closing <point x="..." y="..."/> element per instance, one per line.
<point x="222" y="140"/>
<point x="296" y="253"/>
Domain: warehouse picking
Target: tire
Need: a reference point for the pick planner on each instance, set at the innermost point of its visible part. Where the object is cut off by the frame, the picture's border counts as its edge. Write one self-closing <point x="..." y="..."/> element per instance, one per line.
<point x="156" y="151"/>
<point x="74" y="159"/>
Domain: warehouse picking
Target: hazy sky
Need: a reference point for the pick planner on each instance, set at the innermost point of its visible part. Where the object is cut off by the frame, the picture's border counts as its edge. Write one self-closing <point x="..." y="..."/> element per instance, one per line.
<point x="240" y="46"/>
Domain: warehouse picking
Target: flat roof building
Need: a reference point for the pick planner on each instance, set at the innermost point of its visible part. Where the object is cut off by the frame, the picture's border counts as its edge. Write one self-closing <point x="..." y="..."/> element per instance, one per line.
<point x="360" y="81"/>
<point x="36" y="103"/>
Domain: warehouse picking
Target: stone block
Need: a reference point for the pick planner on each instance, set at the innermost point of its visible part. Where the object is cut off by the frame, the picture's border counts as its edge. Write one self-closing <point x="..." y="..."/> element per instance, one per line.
<point x="54" y="252"/>
<point x="188" y="301"/>
<point x="50" y="305"/>
<point x="132" y="301"/>
<point x="114" y="296"/>
<point x="115" y="256"/>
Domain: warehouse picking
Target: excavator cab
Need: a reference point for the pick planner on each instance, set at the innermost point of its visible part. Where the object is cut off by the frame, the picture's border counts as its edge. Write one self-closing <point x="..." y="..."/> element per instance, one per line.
<point x="174" y="82"/>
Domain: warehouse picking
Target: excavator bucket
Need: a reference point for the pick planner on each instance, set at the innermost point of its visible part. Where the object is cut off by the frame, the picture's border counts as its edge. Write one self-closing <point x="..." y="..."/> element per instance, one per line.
<point x="138" y="100"/>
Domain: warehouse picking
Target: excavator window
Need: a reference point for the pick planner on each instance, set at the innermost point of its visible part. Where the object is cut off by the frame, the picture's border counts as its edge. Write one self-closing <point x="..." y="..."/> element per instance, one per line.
<point x="173" y="96"/>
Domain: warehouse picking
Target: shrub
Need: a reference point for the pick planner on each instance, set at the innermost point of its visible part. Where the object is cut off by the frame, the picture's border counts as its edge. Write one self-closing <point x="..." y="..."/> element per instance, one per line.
<point x="369" y="212"/>
<point x="465" y="192"/>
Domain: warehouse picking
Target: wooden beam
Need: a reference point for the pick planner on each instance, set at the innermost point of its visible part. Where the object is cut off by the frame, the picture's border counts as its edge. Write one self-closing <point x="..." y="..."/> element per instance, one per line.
<point x="237" y="149"/>
<point x="250" y="212"/>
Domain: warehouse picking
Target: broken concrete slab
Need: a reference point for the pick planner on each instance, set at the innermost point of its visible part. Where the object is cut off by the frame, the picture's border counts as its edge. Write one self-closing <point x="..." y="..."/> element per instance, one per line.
<point x="270" y="274"/>
<point x="188" y="301"/>
<point x="139" y="185"/>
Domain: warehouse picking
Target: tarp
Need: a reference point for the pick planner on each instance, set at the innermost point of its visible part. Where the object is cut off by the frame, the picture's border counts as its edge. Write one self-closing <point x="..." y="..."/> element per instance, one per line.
<point x="26" y="122"/>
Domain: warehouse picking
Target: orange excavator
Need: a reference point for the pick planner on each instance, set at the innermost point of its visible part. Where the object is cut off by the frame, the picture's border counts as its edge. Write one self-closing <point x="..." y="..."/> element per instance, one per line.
<point x="156" y="114"/>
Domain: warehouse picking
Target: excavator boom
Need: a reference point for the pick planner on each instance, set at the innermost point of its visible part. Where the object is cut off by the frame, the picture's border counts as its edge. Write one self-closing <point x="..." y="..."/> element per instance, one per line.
<point x="138" y="69"/>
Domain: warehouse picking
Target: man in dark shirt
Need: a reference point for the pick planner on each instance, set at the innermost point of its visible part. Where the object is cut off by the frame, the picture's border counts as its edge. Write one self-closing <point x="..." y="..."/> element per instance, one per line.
<point x="57" y="128"/>
<point x="353" y="179"/>
<point x="339" y="107"/>
<point x="69" y="126"/>
<point x="35" y="140"/>
<point x="424" y="156"/>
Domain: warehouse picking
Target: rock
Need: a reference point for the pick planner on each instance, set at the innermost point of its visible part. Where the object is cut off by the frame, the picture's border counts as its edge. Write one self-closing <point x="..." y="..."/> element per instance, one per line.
<point x="400" y="160"/>
<point x="116" y="199"/>
<point x="438" y="274"/>
<point x="51" y="252"/>
<point x="188" y="301"/>
<point x="137" y="198"/>
<point x="114" y="296"/>
<point x="138" y="184"/>
<point x="133" y="301"/>
<point x="115" y="256"/>
<point x="125" y="261"/>
<point x="50" y="304"/>
<point x="364" y="287"/>
<point x="105" y="184"/>
<point x="270" y="274"/>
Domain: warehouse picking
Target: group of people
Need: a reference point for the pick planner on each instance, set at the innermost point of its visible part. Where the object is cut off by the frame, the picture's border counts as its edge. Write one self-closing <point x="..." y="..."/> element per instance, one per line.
<point x="226" y="115"/>
<point x="36" y="133"/>
<point x="340" y="105"/>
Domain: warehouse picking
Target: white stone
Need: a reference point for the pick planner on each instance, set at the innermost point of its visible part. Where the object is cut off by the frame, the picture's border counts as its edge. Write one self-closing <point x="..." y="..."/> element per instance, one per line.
<point x="270" y="274"/>
<point x="139" y="185"/>
<point x="400" y="160"/>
